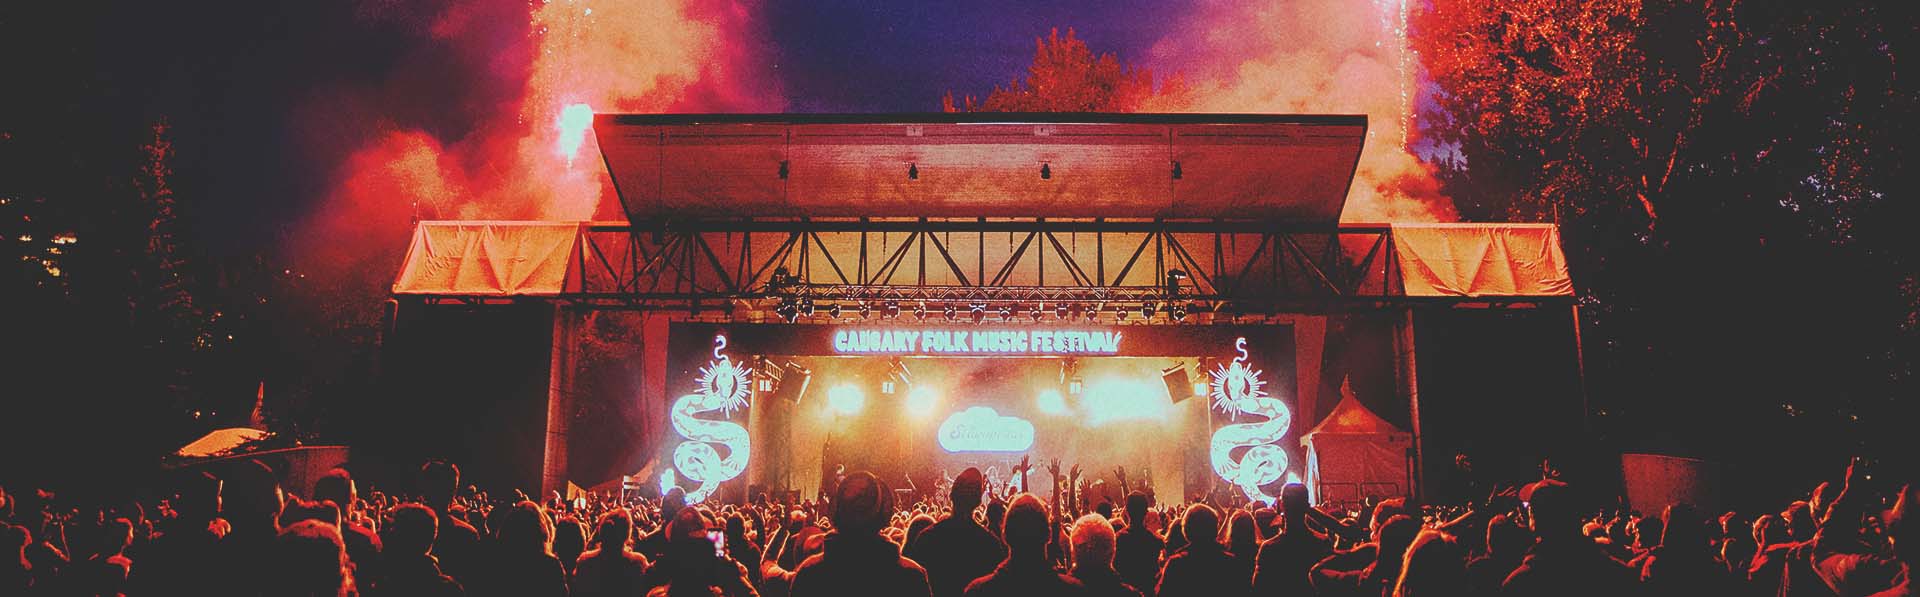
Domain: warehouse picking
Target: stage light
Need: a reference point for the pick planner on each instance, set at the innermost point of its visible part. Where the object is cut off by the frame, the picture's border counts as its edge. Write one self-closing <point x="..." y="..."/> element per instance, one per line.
<point x="1006" y="312"/>
<point x="787" y="311"/>
<point x="950" y="311"/>
<point x="978" y="311"/>
<point x="1124" y="399"/>
<point x="833" y="312"/>
<point x="1179" y="311"/>
<point x="886" y="387"/>
<point x="921" y="401"/>
<point x="846" y="399"/>
<point x="1075" y="385"/>
<point x="920" y="311"/>
<point x="866" y="310"/>
<point x="892" y="310"/>
<point x="1059" y="311"/>
<point x="1092" y="313"/>
<point x="806" y="307"/>
<point x="1146" y="310"/>
<point x="1052" y="403"/>
<point x="1119" y="314"/>
<point x="1199" y="388"/>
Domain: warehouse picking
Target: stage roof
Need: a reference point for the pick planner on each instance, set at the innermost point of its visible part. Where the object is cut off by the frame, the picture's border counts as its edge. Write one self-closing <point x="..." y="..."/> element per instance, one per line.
<point x="1287" y="168"/>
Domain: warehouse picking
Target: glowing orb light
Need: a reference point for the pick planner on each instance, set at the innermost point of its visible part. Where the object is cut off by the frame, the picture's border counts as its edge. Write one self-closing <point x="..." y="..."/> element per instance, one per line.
<point x="1052" y="403"/>
<point x="846" y="399"/>
<point x="921" y="402"/>
<point x="1236" y="390"/>
<point x="722" y="387"/>
<point x="666" y="481"/>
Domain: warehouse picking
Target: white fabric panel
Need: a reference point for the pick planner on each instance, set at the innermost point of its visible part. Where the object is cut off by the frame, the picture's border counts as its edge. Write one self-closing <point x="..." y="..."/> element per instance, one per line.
<point x="1477" y="260"/>
<point x="489" y="258"/>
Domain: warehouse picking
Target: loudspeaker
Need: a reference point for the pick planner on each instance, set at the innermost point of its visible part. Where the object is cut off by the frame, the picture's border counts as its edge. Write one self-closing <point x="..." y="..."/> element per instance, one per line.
<point x="1178" y="388"/>
<point x="793" y="382"/>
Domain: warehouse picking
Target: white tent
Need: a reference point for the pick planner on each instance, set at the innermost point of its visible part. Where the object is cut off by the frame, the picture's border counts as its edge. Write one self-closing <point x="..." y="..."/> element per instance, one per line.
<point x="1354" y="454"/>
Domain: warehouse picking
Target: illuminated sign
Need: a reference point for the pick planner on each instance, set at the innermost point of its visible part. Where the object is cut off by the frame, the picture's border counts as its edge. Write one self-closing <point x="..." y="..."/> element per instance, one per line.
<point x="977" y="341"/>
<point x="722" y="387"/>
<point x="980" y="429"/>
<point x="1237" y="391"/>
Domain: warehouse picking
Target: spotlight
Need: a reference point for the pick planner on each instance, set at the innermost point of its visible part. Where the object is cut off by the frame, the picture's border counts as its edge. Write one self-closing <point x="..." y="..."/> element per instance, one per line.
<point x="950" y="311"/>
<point x="886" y="387"/>
<point x="892" y="310"/>
<point x="846" y="399"/>
<point x="921" y="401"/>
<point x="1006" y="312"/>
<point x="1075" y="385"/>
<point x="787" y="311"/>
<point x="806" y="306"/>
<point x="1052" y="403"/>
<point x="1060" y="310"/>
<point x="1179" y="311"/>
<point x="920" y="311"/>
<point x="1092" y="313"/>
<point x="978" y="311"/>
<point x="1034" y="311"/>
<point x="1120" y="314"/>
<point x="1146" y="310"/>
<point x="833" y="312"/>
<point x="1199" y="388"/>
<point x="866" y="310"/>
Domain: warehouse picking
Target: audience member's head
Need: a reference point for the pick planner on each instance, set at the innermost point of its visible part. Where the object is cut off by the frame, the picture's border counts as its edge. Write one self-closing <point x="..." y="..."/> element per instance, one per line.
<point x="1136" y="508"/>
<point x="1800" y="521"/>
<point x="966" y="491"/>
<point x="1768" y="529"/>
<point x="310" y="560"/>
<point x="298" y="509"/>
<point x="1242" y="534"/>
<point x="1395" y="535"/>
<point x="251" y="497"/>
<point x="412" y="531"/>
<point x="1293" y="500"/>
<point x="1093" y="543"/>
<point x="1900" y="526"/>
<point x="996" y="515"/>
<point x="199" y="497"/>
<point x="672" y="502"/>
<point x="861" y="504"/>
<point x="614" y="530"/>
<point x="335" y="486"/>
<point x="1026" y="526"/>
<point x="1105" y="510"/>
<point x="524" y="528"/>
<point x="1646" y="532"/>
<point x="1682" y="527"/>
<point x="438" y="482"/>
<point x="916" y="526"/>
<point x="1553" y="513"/>
<point x="1434" y="564"/>
<point x="115" y="536"/>
<point x="1201" y="525"/>
<point x="1505" y="538"/>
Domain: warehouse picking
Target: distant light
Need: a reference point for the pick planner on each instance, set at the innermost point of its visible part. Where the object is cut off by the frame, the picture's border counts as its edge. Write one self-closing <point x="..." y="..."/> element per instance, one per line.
<point x="666" y="481"/>
<point x="886" y="387"/>
<point x="846" y="399"/>
<point x="575" y="119"/>
<point x="921" y="401"/>
<point x="1120" y="399"/>
<point x="1200" y="388"/>
<point x="1052" y="403"/>
<point x="1074" y="386"/>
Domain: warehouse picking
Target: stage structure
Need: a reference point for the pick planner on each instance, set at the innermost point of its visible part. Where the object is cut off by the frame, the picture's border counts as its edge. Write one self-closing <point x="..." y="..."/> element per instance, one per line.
<point x="1051" y="236"/>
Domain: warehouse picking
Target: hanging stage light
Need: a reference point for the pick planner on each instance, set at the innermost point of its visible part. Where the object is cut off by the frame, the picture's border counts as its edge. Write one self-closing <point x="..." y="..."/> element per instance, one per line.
<point x="1179" y="311"/>
<point x="1060" y="310"/>
<point x="806" y="307"/>
<point x="1006" y="312"/>
<point x="833" y="312"/>
<point x="866" y="310"/>
<point x="1092" y="313"/>
<point x="1146" y="310"/>
<point x="1034" y="311"/>
<point x="950" y="311"/>
<point x="891" y="310"/>
<point x="978" y="311"/>
<point x="920" y="311"/>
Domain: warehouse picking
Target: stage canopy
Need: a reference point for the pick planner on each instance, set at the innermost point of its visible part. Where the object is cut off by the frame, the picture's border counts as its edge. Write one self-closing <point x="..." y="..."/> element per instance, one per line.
<point x="1287" y="168"/>
<point x="1354" y="454"/>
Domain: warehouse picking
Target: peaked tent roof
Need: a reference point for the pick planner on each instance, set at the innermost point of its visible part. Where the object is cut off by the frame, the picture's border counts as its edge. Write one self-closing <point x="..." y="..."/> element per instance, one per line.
<point x="1350" y="417"/>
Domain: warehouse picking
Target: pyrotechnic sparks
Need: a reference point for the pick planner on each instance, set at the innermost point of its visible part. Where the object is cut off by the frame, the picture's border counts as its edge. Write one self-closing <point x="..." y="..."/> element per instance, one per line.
<point x="574" y="121"/>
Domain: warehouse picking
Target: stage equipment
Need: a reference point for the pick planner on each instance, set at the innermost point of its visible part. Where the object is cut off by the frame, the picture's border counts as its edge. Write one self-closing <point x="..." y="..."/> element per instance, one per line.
<point x="1175" y="377"/>
<point x="792" y="383"/>
<point x="846" y="399"/>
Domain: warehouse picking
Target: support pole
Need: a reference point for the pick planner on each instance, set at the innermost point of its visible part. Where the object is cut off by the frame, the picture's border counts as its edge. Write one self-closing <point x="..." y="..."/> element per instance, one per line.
<point x="1406" y="373"/>
<point x="561" y="363"/>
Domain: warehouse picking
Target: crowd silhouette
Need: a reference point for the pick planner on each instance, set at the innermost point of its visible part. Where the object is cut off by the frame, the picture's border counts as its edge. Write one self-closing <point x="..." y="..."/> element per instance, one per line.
<point x="241" y="534"/>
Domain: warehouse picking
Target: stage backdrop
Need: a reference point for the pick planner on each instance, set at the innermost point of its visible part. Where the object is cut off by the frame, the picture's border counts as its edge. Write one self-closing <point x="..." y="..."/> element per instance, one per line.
<point x="911" y="401"/>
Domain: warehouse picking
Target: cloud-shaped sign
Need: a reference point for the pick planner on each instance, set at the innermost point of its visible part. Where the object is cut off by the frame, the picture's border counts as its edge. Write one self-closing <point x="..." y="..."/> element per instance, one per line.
<point x="980" y="429"/>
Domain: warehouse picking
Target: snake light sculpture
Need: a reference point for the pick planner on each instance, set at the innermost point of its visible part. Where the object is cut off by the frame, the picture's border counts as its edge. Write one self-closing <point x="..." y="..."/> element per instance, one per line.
<point x="1236" y="391"/>
<point x="723" y="387"/>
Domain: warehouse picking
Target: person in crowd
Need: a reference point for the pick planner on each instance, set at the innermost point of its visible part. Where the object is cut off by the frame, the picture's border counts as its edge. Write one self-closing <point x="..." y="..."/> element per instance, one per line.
<point x="611" y="567"/>
<point x="1683" y="563"/>
<point x="363" y="545"/>
<point x="1025" y="570"/>
<point x="569" y="541"/>
<point x="856" y="559"/>
<point x="522" y="563"/>
<point x="740" y="546"/>
<point x="105" y="572"/>
<point x="1838" y="559"/>
<point x="1093" y="542"/>
<point x="1507" y="543"/>
<point x="1377" y="577"/>
<point x="1434" y="564"/>
<point x="407" y="564"/>
<point x="957" y="549"/>
<point x="1901" y="532"/>
<point x="309" y="560"/>
<point x="655" y="544"/>
<point x="1562" y="562"/>
<point x="1204" y="567"/>
<point x="689" y="565"/>
<point x="458" y="543"/>
<point x="1282" y="564"/>
<point x="16" y="573"/>
<point x="1136" y="548"/>
<point x="775" y="580"/>
<point x="915" y="526"/>
<point x="1243" y="539"/>
<point x="182" y="560"/>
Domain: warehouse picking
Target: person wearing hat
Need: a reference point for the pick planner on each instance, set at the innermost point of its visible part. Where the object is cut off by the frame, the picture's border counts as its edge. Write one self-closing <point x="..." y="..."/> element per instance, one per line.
<point x="856" y="560"/>
<point x="957" y="550"/>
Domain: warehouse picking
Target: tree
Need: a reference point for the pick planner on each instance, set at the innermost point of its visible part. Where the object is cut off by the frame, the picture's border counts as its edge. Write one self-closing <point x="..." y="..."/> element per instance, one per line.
<point x="1066" y="76"/>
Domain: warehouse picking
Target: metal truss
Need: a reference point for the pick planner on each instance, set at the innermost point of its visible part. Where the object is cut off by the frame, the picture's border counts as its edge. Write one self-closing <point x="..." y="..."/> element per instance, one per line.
<point x="797" y="267"/>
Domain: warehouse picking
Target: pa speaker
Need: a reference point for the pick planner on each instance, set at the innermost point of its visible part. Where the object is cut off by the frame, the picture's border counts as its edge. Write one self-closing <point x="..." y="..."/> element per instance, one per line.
<point x="793" y="383"/>
<point x="1178" y="388"/>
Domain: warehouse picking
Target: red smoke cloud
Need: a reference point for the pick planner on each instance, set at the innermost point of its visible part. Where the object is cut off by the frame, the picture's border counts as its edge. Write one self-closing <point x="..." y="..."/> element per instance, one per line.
<point x="1317" y="57"/>
<point x="482" y="117"/>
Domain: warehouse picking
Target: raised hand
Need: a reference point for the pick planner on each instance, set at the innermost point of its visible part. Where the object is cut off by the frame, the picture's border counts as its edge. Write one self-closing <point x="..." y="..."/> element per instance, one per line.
<point x="1075" y="473"/>
<point x="1054" y="467"/>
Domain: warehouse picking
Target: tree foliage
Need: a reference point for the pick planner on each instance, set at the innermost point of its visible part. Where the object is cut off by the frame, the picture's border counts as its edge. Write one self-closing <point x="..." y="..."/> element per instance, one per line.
<point x="1066" y="76"/>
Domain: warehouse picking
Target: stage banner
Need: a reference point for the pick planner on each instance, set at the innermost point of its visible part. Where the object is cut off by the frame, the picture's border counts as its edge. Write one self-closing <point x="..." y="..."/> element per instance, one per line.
<point x="929" y="339"/>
